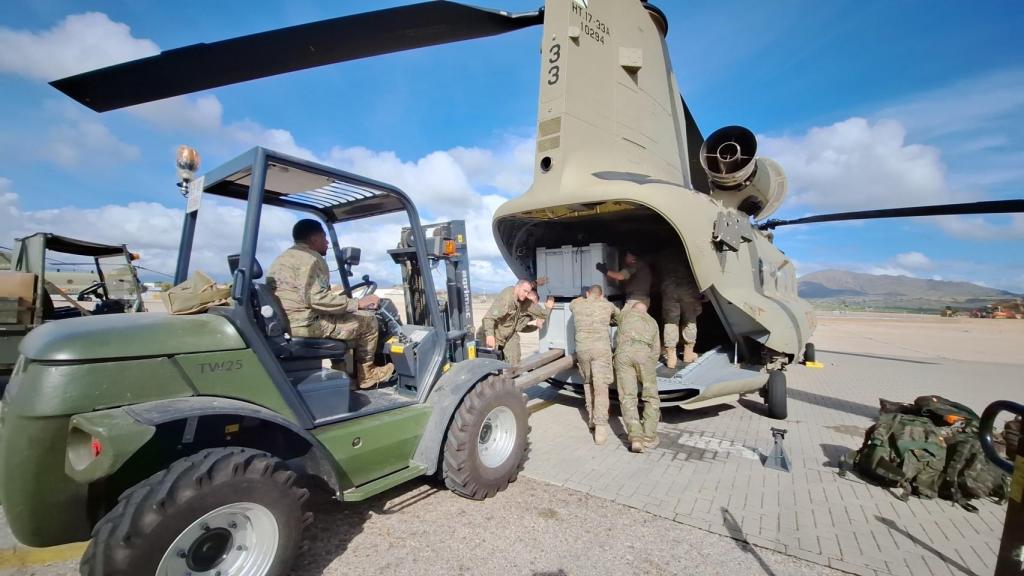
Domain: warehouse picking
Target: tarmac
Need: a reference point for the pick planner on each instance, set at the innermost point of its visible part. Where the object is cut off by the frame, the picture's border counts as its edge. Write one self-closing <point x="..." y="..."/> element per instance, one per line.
<point x="702" y="502"/>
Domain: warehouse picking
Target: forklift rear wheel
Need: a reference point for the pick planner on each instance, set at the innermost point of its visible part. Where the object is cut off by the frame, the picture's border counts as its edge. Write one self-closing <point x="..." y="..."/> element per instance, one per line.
<point x="220" y="511"/>
<point x="487" y="441"/>
<point x="809" y="353"/>
<point x="775" y="395"/>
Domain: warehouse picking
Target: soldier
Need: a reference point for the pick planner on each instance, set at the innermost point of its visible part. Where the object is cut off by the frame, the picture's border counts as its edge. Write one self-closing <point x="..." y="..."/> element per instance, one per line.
<point x="512" y="312"/>
<point x="592" y="315"/>
<point x="300" y="279"/>
<point x="637" y="278"/>
<point x="636" y="358"/>
<point x="680" y="306"/>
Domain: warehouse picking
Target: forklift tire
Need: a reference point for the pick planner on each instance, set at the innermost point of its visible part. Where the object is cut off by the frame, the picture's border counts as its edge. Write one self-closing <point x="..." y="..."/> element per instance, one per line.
<point x="775" y="395"/>
<point x="222" y="510"/>
<point x="808" y="353"/>
<point x="487" y="441"/>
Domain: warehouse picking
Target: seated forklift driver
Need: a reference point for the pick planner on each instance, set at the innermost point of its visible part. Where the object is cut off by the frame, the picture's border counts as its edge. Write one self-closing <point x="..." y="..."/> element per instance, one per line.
<point x="300" y="279"/>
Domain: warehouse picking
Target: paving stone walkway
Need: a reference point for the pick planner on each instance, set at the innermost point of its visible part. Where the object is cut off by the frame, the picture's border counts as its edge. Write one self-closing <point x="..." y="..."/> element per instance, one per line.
<point x="707" y="471"/>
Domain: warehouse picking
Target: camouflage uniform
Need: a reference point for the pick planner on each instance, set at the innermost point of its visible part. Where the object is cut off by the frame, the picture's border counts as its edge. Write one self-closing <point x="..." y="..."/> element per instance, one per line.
<point x="636" y="357"/>
<point x="506" y="318"/>
<point x="637" y="283"/>
<point x="592" y="316"/>
<point x="301" y="280"/>
<point x="680" y="301"/>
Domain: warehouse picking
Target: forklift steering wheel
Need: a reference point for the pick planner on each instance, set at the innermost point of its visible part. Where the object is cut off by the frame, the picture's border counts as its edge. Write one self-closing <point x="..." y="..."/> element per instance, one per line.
<point x="367" y="286"/>
<point x="89" y="291"/>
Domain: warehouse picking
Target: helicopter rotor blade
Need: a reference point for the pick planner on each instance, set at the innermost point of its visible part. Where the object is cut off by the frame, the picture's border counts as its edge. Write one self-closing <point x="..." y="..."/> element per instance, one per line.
<point x="203" y="66"/>
<point x="989" y="207"/>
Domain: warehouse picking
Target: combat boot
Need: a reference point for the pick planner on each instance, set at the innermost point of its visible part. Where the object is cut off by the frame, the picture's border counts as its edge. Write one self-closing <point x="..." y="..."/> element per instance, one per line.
<point x="370" y="375"/>
<point x="651" y="442"/>
<point x="600" y="435"/>
<point x="670" y="357"/>
<point x="636" y="445"/>
<point x="688" y="354"/>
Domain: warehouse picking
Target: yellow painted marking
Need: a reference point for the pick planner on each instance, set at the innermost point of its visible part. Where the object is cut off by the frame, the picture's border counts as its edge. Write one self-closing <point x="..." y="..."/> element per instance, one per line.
<point x="231" y="428"/>
<point x="814" y="364"/>
<point x="540" y="406"/>
<point x="397" y="349"/>
<point x="23" y="557"/>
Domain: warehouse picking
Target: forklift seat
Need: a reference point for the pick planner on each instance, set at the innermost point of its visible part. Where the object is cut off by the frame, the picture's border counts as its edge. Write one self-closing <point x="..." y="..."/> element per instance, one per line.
<point x="275" y="325"/>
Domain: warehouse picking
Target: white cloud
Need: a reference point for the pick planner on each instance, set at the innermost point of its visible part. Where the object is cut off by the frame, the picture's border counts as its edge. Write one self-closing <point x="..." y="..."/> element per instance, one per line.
<point x="202" y="114"/>
<point x="508" y="169"/>
<point x="78" y="139"/>
<point x="888" y="270"/>
<point x="77" y="43"/>
<point x="982" y="228"/>
<point x="857" y="164"/>
<point x="914" y="260"/>
<point x="83" y="42"/>
<point x="443" y="187"/>
<point x="247" y="133"/>
<point x="971" y="105"/>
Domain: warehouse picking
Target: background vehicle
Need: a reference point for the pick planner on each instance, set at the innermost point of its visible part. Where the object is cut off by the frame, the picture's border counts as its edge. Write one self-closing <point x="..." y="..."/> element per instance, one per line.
<point x="180" y="442"/>
<point x="35" y="293"/>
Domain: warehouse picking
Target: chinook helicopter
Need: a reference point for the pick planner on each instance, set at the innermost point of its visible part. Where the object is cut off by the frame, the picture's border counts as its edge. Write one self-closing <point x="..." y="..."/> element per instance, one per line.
<point x="620" y="161"/>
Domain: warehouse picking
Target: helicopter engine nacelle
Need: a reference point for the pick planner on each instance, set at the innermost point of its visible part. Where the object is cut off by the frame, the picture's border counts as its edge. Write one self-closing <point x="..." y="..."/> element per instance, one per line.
<point x="741" y="180"/>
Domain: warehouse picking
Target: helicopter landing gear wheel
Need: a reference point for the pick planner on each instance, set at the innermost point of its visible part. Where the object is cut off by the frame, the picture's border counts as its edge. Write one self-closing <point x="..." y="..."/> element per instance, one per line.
<point x="775" y="395"/>
<point x="809" y="353"/>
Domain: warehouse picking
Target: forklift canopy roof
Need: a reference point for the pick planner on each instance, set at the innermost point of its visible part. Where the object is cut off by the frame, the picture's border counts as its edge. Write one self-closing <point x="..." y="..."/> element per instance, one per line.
<point x="303" y="185"/>
<point x="66" y="245"/>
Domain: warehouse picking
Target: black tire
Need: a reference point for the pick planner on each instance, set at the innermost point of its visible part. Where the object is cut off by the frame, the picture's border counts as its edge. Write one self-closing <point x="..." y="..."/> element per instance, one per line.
<point x="776" y="395"/>
<point x="462" y="468"/>
<point x="809" y="353"/>
<point x="133" y="537"/>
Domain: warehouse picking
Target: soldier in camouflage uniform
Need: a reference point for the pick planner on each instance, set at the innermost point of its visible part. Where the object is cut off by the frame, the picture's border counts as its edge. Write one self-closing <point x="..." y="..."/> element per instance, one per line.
<point x="300" y="279"/>
<point x="636" y="358"/>
<point x="680" y="306"/>
<point x="592" y="315"/>
<point x="636" y="278"/>
<point x="512" y="312"/>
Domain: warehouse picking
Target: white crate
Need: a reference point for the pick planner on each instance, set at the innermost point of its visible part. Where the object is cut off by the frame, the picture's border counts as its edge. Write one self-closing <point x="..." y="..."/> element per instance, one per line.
<point x="569" y="269"/>
<point x="559" y="332"/>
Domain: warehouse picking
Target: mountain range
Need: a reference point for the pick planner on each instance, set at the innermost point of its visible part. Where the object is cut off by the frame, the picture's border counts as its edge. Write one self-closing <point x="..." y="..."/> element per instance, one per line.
<point x="830" y="288"/>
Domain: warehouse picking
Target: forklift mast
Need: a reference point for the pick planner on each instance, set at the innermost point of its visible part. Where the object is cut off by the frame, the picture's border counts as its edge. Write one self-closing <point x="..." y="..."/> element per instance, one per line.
<point x="446" y="242"/>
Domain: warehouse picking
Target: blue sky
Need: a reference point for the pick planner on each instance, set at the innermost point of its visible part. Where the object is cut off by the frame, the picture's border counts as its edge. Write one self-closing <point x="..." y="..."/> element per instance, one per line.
<point x="865" y="104"/>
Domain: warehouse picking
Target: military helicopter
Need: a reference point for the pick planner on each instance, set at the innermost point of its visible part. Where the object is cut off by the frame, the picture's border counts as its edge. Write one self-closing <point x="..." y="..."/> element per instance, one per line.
<point x="619" y="160"/>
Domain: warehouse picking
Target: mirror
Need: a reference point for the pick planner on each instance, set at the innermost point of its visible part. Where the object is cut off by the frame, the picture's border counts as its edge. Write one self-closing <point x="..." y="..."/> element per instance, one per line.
<point x="350" y="255"/>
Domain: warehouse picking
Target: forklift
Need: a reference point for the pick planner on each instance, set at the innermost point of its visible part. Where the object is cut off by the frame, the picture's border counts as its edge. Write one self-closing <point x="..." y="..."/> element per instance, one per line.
<point x="189" y="443"/>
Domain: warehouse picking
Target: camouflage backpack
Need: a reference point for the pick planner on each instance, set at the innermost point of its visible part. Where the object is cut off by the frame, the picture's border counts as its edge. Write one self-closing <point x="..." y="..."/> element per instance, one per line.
<point x="901" y="450"/>
<point x="969" y="474"/>
<point x="929" y="448"/>
<point x="1011" y="436"/>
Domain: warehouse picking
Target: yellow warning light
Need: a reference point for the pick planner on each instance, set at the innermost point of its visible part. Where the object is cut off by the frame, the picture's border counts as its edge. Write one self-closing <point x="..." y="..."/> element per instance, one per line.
<point x="449" y="248"/>
<point x="134" y="256"/>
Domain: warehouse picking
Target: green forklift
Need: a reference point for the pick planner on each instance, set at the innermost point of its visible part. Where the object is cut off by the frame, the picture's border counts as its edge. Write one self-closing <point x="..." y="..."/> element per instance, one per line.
<point x="36" y="288"/>
<point x="187" y="444"/>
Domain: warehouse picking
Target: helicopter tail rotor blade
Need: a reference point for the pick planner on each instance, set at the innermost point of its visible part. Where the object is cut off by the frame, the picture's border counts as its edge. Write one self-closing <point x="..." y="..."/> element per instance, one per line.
<point x="203" y="66"/>
<point x="990" y="207"/>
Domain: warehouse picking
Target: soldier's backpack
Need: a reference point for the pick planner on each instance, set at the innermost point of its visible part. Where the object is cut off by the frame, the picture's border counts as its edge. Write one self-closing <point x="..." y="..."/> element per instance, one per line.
<point x="903" y="451"/>
<point x="929" y="448"/>
<point x="969" y="474"/>
<point x="1011" y="436"/>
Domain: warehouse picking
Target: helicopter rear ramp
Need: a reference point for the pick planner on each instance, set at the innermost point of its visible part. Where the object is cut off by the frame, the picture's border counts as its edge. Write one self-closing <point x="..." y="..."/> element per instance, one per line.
<point x="712" y="379"/>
